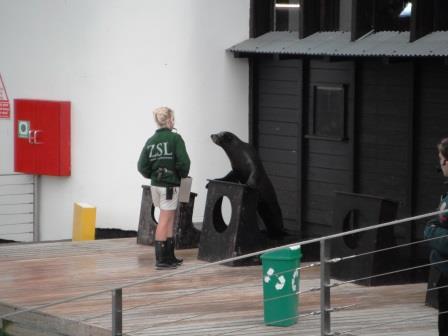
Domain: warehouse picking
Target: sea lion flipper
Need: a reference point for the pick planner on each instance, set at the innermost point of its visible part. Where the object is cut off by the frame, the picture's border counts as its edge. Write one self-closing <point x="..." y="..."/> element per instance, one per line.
<point x="230" y="177"/>
<point x="252" y="180"/>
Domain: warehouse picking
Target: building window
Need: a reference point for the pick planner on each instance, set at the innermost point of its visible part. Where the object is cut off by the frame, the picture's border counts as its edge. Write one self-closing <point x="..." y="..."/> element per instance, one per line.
<point x="328" y="112"/>
<point x="286" y="15"/>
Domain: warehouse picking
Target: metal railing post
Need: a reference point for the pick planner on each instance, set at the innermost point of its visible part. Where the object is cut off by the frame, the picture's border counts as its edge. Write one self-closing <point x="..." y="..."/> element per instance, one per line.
<point x="325" y="327"/>
<point x="117" y="312"/>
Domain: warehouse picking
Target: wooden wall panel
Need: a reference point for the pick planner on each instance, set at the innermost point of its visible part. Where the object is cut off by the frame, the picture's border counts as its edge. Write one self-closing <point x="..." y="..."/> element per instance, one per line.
<point x="329" y="162"/>
<point x="362" y="18"/>
<point x="266" y="113"/>
<point x="261" y="17"/>
<point x="309" y="22"/>
<point x="384" y="123"/>
<point x="277" y="128"/>
<point x="422" y="22"/>
<point x="386" y="136"/>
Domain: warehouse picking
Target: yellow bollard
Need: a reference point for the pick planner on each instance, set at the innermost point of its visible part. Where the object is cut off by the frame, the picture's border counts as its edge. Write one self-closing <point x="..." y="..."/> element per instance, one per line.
<point x="84" y="219"/>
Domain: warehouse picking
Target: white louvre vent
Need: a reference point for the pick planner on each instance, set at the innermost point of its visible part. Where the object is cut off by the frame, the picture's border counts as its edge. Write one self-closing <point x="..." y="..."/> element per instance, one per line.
<point x="17" y="207"/>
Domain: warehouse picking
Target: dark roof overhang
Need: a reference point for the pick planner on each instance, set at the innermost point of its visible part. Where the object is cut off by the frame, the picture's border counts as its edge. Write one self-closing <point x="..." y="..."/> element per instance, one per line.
<point x="378" y="44"/>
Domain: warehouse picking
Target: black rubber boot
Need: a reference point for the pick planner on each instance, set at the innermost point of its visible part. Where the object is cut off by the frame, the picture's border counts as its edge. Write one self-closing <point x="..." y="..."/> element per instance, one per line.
<point x="170" y="246"/>
<point x="163" y="260"/>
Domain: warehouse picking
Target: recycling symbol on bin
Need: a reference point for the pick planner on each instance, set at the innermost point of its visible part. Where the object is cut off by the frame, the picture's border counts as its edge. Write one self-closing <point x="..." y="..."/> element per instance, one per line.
<point x="294" y="280"/>
<point x="280" y="279"/>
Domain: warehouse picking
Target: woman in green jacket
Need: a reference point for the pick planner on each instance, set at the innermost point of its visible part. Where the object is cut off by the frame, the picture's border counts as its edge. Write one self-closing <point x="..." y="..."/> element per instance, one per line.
<point x="164" y="160"/>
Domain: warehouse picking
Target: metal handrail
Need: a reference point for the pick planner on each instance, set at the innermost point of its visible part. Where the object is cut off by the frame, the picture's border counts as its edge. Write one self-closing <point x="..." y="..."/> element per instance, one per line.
<point x="325" y="285"/>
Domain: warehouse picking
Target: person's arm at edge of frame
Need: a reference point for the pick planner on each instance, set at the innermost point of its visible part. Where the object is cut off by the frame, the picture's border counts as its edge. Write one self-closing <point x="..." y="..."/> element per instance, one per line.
<point x="433" y="230"/>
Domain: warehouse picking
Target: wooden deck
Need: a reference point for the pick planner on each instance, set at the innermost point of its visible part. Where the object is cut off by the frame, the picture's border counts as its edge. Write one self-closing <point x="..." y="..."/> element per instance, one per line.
<point x="219" y="300"/>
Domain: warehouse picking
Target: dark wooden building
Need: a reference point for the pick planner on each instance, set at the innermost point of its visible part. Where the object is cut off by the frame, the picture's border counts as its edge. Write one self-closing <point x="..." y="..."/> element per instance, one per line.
<point x="352" y="96"/>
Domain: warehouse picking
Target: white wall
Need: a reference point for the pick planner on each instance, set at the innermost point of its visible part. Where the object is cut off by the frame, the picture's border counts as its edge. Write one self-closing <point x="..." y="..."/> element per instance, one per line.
<point x="116" y="60"/>
<point x="6" y="146"/>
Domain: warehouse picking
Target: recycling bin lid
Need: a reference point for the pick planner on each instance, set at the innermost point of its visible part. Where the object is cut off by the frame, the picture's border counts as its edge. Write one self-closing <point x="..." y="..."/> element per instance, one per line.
<point x="287" y="253"/>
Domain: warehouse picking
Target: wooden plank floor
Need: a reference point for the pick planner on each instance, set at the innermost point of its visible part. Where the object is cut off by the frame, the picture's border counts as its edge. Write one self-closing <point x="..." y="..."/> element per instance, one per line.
<point x="218" y="300"/>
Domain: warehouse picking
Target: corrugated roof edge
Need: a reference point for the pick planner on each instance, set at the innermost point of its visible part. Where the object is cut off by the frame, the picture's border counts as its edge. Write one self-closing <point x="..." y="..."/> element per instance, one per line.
<point x="337" y="43"/>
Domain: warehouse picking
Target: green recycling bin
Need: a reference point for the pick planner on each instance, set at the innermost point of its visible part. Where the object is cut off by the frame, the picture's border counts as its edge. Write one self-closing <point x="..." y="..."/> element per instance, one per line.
<point x="280" y="285"/>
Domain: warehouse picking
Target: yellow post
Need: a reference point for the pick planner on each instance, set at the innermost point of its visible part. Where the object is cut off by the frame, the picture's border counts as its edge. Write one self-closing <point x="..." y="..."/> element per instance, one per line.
<point x="84" y="219"/>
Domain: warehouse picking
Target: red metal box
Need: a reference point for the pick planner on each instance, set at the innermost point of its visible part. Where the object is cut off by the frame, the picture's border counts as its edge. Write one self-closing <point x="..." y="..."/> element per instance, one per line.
<point x="42" y="137"/>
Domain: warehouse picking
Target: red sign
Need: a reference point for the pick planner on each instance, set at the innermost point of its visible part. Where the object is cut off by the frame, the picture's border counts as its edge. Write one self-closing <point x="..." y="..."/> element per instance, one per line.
<point x="5" y="107"/>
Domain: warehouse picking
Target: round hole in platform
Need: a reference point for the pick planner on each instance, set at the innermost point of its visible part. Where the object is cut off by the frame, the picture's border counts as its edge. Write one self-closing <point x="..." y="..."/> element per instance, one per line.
<point x="222" y="213"/>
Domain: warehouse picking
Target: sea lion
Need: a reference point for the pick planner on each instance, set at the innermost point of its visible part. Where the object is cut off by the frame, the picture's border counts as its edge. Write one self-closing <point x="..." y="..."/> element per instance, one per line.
<point x="248" y="169"/>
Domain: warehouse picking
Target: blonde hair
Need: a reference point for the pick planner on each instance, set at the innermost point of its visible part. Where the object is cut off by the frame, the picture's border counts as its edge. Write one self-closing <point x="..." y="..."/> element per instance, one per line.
<point x="163" y="116"/>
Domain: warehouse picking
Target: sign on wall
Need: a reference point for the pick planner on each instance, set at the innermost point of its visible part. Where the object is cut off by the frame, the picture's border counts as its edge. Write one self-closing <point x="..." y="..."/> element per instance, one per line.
<point x="5" y="107"/>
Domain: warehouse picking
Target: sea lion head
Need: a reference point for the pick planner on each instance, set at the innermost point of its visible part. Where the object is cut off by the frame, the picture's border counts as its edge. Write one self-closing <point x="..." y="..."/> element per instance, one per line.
<point x="225" y="139"/>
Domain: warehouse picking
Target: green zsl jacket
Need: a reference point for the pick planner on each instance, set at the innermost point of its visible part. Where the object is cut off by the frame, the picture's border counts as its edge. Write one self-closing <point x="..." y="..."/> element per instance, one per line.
<point x="164" y="159"/>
